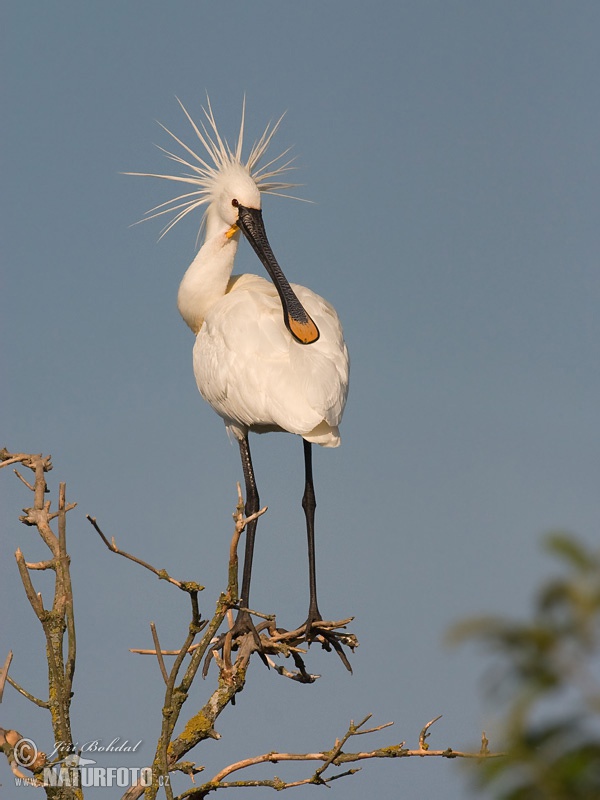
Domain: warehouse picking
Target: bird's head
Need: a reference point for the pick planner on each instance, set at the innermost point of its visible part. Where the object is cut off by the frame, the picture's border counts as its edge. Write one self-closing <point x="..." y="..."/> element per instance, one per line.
<point x="220" y="176"/>
<point x="233" y="188"/>
<point x="230" y="190"/>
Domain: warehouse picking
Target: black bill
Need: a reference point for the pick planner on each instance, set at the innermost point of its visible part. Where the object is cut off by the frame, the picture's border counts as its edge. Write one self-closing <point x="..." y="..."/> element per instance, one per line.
<point x="297" y="320"/>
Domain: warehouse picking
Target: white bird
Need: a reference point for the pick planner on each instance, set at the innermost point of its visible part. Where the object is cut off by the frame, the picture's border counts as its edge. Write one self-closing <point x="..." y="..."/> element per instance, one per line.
<point x="268" y="356"/>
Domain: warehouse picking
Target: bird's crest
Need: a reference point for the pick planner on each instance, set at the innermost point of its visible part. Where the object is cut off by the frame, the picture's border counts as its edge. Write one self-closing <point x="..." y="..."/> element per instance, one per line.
<point x="206" y="174"/>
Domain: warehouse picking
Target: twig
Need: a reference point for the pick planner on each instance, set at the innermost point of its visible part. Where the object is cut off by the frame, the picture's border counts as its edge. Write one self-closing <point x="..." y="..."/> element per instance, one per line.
<point x="485" y="750"/>
<point x="372" y="730"/>
<point x="25" y="693"/>
<point x="160" y="573"/>
<point x="145" y="652"/>
<point x="301" y="677"/>
<point x="34" y="597"/>
<point x="41" y="565"/>
<point x="338" y="747"/>
<point x="158" y="653"/>
<point x="4" y="672"/>
<point x="425" y="732"/>
<point x="20" y="477"/>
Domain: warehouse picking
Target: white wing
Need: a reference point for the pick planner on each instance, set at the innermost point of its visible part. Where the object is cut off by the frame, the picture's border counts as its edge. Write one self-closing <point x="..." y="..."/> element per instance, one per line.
<point x="257" y="377"/>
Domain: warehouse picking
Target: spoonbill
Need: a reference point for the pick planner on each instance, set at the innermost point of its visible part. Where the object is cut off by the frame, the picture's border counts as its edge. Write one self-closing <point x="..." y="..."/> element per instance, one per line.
<point x="268" y="356"/>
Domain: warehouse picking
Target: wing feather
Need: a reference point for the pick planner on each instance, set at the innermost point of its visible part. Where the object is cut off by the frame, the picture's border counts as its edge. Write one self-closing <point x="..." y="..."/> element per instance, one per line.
<point x="255" y="375"/>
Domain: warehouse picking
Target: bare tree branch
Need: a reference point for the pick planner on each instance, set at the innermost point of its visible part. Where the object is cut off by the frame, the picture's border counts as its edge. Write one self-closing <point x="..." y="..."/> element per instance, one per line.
<point x="158" y="653"/>
<point x="25" y="693"/>
<point x="334" y="757"/>
<point x="57" y="621"/>
<point x="4" y="673"/>
<point x="160" y="573"/>
<point x="202" y="644"/>
<point x="424" y="735"/>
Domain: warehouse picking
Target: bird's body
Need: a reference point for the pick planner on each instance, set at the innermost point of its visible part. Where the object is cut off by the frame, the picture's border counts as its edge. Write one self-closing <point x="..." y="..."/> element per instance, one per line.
<point x="258" y="378"/>
<point x="268" y="356"/>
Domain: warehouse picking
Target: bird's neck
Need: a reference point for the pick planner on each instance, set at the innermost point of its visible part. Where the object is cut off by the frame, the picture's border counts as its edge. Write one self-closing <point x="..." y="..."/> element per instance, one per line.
<point x="206" y="279"/>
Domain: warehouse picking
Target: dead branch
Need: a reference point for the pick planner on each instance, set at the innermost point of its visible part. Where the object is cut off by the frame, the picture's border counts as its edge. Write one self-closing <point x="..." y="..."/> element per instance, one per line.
<point x="333" y="757"/>
<point x="20" y="753"/>
<point x="4" y="673"/>
<point x="425" y="732"/>
<point x="160" y="573"/>
<point x="158" y="652"/>
<point x="201" y="643"/>
<point x="35" y="700"/>
<point x="57" y="621"/>
<point x="170" y="750"/>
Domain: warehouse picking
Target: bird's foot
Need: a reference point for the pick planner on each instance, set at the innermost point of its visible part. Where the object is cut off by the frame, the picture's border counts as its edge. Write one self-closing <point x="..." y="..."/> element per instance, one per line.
<point x="243" y="633"/>
<point x="329" y="634"/>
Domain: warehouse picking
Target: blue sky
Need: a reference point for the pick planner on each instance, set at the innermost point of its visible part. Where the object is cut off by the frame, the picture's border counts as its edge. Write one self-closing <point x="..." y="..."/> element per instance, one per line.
<point x="451" y="151"/>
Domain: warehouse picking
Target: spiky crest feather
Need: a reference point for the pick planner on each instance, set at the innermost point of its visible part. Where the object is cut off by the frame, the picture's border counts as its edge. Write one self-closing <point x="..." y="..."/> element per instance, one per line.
<point x="209" y="176"/>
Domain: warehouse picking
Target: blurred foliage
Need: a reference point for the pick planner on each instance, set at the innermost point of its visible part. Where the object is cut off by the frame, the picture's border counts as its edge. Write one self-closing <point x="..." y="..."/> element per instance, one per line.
<point x="546" y="677"/>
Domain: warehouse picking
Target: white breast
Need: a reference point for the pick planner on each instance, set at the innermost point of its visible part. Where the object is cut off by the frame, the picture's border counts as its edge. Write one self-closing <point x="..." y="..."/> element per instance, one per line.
<point x="253" y="373"/>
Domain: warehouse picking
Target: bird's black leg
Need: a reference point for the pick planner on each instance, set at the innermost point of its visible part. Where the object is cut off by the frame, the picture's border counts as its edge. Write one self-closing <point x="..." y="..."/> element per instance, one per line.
<point x="312" y="629"/>
<point x="252" y="505"/>
<point x="309" y="505"/>
<point x="243" y="622"/>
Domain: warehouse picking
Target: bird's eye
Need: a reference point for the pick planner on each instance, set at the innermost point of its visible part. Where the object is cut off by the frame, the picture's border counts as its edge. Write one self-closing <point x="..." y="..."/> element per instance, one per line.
<point x="234" y="203"/>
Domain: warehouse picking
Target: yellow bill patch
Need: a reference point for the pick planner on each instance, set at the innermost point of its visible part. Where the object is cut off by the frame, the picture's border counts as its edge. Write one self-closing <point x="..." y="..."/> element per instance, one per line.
<point x="305" y="332"/>
<point x="232" y="231"/>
